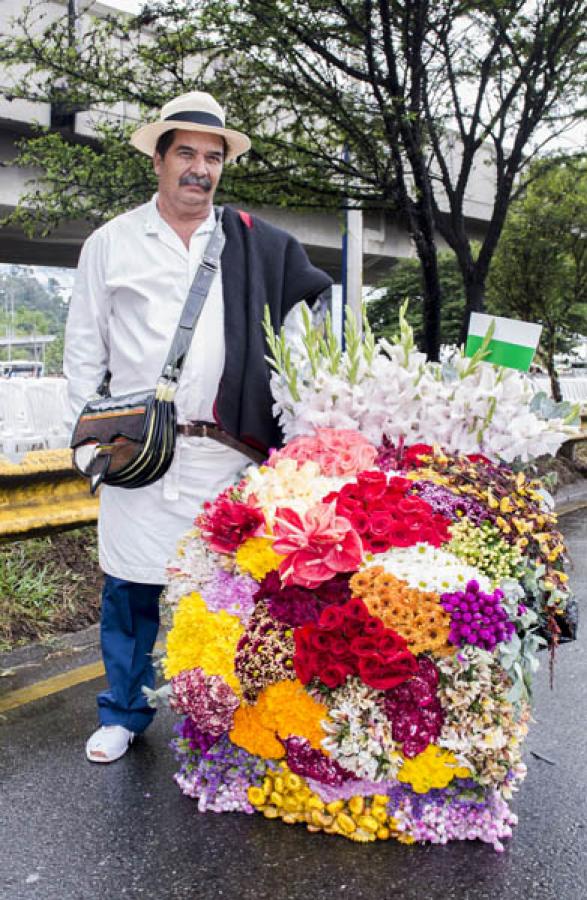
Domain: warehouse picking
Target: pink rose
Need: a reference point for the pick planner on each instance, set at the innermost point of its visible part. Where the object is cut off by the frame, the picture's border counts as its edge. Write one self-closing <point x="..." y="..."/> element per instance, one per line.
<point x="336" y="451"/>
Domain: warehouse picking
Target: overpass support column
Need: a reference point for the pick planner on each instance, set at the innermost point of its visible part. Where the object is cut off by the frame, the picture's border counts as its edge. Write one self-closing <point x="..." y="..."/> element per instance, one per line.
<point x="354" y="262"/>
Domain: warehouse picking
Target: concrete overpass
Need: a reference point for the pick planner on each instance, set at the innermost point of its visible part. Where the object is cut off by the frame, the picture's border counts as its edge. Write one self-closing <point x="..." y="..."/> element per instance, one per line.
<point x="384" y="237"/>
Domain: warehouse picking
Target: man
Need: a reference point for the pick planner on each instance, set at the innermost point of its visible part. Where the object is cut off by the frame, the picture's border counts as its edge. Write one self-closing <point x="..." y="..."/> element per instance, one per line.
<point x="133" y="277"/>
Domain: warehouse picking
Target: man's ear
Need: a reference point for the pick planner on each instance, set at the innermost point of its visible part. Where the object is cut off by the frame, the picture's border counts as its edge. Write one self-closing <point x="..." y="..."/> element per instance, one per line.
<point x="157" y="163"/>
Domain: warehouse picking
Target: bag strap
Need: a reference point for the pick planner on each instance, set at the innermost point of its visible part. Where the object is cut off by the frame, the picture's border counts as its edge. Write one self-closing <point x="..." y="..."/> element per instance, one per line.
<point x="194" y="303"/>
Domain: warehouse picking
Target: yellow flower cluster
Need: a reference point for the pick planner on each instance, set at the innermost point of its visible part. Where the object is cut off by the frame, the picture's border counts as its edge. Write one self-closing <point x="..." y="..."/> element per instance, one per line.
<point x="204" y="639"/>
<point x="286" y="796"/>
<point x="426" y="473"/>
<point x="257" y="557"/>
<point x="281" y="710"/>
<point x="434" y="768"/>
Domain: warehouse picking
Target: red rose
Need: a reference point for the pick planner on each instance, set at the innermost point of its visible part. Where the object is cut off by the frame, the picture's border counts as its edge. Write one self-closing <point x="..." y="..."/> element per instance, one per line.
<point x="356" y="609"/>
<point x="321" y="641"/>
<point x="380" y="523"/>
<point x="335" y="674"/>
<point x="339" y="648"/>
<point x="388" y="674"/>
<point x="332" y="617"/>
<point x="377" y="545"/>
<point x="398" y="486"/>
<point x="373" y="627"/>
<point x="364" y="646"/>
<point x="391" y="643"/>
<point x="304" y="666"/>
<point x="373" y="478"/>
<point x="409" y="505"/>
<point x="358" y="519"/>
<point x="401" y="535"/>
<point x="303" y="639"/>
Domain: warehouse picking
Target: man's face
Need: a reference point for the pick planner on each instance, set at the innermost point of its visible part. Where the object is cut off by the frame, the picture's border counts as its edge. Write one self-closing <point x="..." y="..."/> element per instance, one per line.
<point x="190" y="170"/>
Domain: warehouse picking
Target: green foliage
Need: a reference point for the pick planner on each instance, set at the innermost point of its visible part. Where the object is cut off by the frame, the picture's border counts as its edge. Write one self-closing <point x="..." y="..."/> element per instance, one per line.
<point x="38" y="309"/>
<point x="404" y="282"/>
<point x="307" y="78"/>
<point x="42" y="589"/>
<point x="539" y="272"/>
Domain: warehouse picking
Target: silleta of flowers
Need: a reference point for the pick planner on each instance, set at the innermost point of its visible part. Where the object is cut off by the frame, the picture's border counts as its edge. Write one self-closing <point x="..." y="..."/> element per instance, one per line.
<point x="355" y="623"/>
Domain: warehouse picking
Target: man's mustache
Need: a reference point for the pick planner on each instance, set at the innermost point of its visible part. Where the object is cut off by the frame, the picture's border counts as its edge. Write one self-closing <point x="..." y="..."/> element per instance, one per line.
<point x="203" y="182"/>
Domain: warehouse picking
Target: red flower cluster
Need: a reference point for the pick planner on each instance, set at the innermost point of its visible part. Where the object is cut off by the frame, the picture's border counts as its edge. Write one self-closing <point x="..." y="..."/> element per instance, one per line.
<point x="384" y="516"/>
<point x="348" y="640"/>
<point x="225" y="524"/>
<point x="400" y="457"/>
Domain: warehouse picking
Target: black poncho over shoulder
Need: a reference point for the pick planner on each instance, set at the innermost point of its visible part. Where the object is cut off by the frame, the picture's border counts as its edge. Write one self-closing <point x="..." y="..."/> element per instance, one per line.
<point x="261" y="265"/>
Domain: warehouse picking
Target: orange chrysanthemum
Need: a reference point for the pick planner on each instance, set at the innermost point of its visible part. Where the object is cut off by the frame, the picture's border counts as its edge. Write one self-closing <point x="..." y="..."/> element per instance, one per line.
<point x="282" y="710"/>
<point x="417" y="615"/>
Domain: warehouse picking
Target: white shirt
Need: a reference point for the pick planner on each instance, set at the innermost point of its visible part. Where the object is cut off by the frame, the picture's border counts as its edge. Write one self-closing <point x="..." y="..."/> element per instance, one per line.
<point x="133" y="277"/>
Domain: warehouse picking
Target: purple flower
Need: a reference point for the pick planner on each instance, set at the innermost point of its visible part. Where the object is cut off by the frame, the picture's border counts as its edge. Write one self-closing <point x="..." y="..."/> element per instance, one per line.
<point x="198" y="740"/>
<point x="220" y="778"/>
<point x="233" y="593"/>
<point x="477" y="618"/>
<point x="296" y="605"/>
<point x="450" y="504"/>
<point x="452" y="814"/>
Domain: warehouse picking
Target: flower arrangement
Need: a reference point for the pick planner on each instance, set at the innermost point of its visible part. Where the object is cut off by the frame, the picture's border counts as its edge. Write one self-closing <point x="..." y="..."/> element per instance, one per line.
<point x="356" y="622"/>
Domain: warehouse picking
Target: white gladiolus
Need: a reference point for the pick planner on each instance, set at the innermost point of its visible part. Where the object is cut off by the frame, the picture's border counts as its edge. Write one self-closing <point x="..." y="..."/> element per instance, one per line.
<point x="390" y="389"/>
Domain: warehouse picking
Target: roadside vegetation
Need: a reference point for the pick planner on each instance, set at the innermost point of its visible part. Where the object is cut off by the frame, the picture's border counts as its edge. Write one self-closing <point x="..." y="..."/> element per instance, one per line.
<point x="48" y="586"/>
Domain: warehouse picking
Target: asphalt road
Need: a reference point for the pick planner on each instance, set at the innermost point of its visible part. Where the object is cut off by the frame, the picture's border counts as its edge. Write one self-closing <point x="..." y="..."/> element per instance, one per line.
<point x="73" y="831"/>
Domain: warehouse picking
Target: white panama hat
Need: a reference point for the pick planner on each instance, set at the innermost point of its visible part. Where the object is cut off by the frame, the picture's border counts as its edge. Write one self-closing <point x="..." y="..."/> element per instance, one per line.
<point x="196" y="111"/>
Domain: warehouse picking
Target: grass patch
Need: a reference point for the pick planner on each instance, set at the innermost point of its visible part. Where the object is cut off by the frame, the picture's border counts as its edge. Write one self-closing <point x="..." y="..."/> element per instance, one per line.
<point x="48" y="586"/>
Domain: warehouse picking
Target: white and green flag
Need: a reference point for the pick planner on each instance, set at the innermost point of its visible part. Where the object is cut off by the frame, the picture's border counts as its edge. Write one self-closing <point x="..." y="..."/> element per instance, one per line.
<point x="512" y="343"/>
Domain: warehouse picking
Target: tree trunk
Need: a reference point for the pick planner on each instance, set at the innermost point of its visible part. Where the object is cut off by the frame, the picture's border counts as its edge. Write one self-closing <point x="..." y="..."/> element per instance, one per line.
<point x="432" y="296"/>
<point x="551" y="369"/>
<point x="474" y="301"/>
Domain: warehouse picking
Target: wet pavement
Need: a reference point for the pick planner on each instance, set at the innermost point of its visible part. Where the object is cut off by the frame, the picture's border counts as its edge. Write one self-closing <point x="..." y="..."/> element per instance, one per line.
<point x="75" y="831"/>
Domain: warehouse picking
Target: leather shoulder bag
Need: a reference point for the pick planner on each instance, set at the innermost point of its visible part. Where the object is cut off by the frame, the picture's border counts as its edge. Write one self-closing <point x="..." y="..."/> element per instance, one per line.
<point x="129" y="441"/>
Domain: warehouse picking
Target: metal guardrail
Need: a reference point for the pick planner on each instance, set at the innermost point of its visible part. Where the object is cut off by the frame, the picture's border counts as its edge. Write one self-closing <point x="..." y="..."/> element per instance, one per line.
<point x="42" y="494"/>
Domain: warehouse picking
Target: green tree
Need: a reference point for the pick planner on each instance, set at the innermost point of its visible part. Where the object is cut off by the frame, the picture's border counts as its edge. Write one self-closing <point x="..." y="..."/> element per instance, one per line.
<point x="539" y="272"/>
<point x="27" y="307"/>
<point x="404" y="282"/>
<point x="421" y="94"/>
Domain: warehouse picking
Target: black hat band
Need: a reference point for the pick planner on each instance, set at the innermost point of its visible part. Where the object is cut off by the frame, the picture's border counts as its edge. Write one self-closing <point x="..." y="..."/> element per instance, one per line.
<point x="198" y="118"/>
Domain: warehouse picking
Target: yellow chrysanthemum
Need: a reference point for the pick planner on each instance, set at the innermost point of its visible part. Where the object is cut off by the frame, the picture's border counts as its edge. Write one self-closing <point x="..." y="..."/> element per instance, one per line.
<point x="283" y="709"/>
<point x="434" y="768"/>
<point x="257" y="557"/>
<point x="204" y="639"/>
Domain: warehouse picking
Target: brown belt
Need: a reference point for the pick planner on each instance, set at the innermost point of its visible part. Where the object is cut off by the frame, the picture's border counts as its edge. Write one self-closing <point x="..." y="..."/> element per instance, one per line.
<point x="211" y="430"/>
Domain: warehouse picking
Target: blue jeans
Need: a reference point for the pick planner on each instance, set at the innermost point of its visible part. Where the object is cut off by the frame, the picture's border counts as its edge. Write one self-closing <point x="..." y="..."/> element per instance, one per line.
<point x="128" y="631"/>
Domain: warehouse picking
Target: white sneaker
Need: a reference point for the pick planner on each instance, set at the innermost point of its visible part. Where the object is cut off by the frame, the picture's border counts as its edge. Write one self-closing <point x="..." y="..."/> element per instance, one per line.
<point x="109" y="743"/>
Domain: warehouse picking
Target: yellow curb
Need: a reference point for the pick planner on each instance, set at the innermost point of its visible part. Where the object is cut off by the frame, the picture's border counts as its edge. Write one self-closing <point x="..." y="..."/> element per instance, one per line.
<point x="54" y="685"/>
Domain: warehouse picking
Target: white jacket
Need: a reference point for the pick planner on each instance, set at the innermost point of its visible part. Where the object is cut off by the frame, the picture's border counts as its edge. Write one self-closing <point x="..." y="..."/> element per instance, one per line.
<point x="133" y="277"/>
